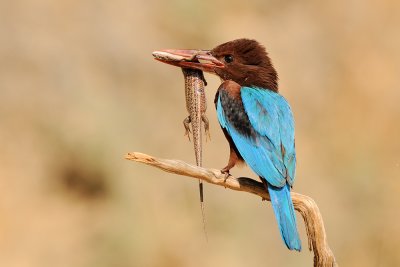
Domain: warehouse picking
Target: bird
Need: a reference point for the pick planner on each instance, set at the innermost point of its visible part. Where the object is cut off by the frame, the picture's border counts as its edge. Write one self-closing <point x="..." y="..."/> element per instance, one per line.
<point x="256" y="120"/>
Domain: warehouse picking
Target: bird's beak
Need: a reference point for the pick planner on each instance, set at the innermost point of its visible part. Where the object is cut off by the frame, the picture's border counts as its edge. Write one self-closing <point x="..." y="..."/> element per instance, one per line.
<point x="189" y="58"/>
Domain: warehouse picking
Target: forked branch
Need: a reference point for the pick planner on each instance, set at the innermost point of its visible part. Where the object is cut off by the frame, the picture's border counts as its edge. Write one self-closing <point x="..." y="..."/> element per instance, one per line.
<point x="323" y="256"/>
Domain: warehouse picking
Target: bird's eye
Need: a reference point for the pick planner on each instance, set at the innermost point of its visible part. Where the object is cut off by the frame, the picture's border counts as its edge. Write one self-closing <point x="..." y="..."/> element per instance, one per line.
<point x="228" y="58"/>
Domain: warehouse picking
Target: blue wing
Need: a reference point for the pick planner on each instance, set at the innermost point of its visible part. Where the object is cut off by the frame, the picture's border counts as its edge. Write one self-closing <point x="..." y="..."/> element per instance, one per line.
<point x="271" y="116"/>
<point x="272" y="153"/>
<point x="269" y="152"/>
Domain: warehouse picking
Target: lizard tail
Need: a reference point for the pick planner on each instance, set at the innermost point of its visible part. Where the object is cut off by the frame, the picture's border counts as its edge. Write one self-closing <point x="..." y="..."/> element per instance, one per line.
<point x="203" y="212"/>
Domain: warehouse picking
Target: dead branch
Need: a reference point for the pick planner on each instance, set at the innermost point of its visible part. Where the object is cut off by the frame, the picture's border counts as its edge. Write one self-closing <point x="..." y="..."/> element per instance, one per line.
<point x="307" y="207"/>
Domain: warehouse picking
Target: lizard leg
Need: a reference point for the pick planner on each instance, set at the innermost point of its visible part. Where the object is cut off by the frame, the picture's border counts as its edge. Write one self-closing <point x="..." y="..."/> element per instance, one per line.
<point x="186" y="124"/>
<point x="206" y="126"/>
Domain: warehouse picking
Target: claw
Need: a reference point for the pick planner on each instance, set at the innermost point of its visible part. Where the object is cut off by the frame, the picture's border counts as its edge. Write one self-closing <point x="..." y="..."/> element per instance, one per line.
<point x="186" y="123"/>
<point x="227" y="174"/>
<point x="206" y="127"/>
<point x="187" y="132"/>
<point x="208" y="136"/>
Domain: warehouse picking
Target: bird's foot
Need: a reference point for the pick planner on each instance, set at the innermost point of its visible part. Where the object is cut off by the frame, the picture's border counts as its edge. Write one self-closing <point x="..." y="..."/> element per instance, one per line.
<point x="226" y="172"/>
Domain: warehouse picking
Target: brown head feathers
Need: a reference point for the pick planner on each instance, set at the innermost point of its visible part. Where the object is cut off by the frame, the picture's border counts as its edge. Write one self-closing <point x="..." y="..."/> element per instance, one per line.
<point x="247" y="63"/>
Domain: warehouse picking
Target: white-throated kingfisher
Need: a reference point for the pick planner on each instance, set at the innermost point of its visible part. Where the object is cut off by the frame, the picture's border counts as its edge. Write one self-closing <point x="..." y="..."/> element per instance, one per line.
<point x="256" y="120"/>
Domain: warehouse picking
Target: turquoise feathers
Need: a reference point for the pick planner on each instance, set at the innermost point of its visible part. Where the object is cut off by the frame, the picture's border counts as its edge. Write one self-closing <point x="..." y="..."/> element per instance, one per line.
<point x="267" y="147"/>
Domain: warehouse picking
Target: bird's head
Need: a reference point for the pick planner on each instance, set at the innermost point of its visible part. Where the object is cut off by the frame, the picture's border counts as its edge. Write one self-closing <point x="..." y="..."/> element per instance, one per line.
<point x="244" y="61"/>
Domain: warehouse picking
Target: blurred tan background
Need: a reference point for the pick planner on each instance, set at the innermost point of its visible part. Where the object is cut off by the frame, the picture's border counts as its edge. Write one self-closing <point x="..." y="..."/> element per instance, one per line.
<point x="79" y="89"/>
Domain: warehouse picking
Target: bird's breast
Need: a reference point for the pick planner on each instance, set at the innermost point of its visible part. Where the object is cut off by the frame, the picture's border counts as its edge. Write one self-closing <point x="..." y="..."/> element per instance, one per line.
<point x="234" y="112"/>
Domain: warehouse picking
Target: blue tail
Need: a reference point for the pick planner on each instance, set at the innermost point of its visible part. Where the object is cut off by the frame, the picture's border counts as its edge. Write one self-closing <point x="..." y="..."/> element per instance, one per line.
<point x="284" y="213"/>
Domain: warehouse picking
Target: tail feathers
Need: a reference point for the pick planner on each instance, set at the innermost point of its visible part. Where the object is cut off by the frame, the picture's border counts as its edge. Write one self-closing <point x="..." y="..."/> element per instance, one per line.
<point x="284" y="213"/>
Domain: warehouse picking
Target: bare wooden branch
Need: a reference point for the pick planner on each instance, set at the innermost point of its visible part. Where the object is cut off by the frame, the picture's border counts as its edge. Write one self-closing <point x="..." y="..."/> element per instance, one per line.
<point x="307" y="207"/>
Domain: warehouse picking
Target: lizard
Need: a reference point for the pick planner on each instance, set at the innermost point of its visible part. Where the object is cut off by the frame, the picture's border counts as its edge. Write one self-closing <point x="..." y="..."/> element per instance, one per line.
<point x="196" y="106"/>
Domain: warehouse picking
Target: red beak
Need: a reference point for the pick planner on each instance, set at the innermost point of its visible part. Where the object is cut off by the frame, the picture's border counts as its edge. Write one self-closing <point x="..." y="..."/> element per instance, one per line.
<point x="189" y="58"/>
